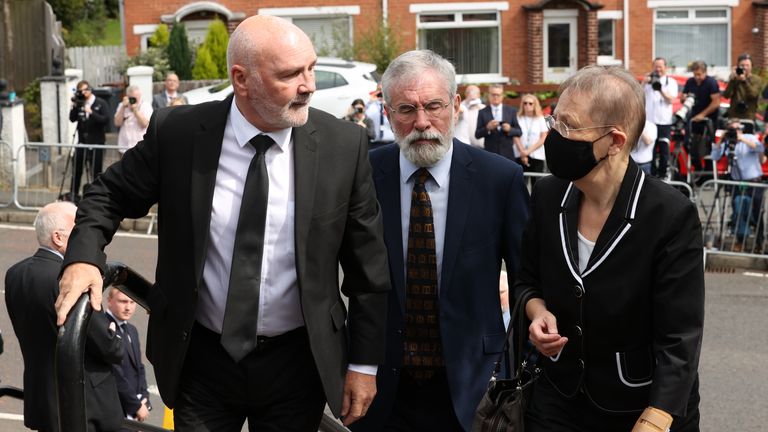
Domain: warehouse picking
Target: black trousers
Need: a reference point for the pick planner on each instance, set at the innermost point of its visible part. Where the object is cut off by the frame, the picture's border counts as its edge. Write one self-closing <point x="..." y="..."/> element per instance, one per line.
<point x="550" y="412"/>
<point x="423" y="407"/>
<point x="93" y="159"/>
<point x="276" y="387"/>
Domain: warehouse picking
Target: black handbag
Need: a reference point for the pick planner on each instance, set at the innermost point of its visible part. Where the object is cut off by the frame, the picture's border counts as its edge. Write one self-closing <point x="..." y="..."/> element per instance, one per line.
<point x="502" y="408"/>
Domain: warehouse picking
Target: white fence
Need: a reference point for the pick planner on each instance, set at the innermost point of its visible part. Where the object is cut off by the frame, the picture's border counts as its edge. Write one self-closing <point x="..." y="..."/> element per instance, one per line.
<point x="100" y="64"/>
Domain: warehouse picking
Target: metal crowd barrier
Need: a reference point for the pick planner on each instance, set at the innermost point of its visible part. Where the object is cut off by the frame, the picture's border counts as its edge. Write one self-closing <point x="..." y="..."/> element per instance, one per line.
<point x="733" y="215"/>
<point x="43" y="172"/>
<point x="6" y="174"/>
<point x="70" y="351"/>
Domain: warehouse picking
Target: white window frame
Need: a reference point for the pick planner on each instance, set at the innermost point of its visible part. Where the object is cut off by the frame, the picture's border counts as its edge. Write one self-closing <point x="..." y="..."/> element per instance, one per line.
<point x="316" y="12"/>
<point x="720" y="71"/>
<point x="144" y="31"/>
<point x="614" y="16"/>
<point x="458" y="10"/>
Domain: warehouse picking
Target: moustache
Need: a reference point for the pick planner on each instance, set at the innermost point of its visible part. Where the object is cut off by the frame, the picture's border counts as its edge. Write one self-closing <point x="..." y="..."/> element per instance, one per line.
<point x="416" y="135"/>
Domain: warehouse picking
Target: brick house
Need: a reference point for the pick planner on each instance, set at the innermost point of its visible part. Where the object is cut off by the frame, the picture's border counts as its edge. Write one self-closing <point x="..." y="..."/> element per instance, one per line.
<point x="528" y="41"/>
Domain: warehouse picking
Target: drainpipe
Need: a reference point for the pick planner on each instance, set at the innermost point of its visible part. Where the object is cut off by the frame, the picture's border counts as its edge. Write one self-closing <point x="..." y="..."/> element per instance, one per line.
<point x="384" y="7"/>
<point x="121" y="6"/>
<point x="626" y="34"/>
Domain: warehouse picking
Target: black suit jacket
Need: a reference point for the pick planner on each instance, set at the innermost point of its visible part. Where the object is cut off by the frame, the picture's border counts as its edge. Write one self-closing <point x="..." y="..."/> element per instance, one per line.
<point x="486" y="214"/>
<point x="31" y="288"/>
<point x="92" y="130"/>
<point x="337" y="220"/>
<point x="634" y="316"/>
<point x="497" y="141"/>
<point x="130" y="374"/>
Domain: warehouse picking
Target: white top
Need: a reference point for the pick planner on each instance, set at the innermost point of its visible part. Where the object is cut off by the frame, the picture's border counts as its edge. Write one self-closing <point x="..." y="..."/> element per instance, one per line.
<point x="585" y="251"/>
<point x="532" y="128"/>
<point x="374" y="110"/>
<point x="467" y="123"/>
<point x="643" y="153"/>
<point x="657" y="109"/>
<point x="131" y="131"/>
<point x="279" y="302"/>
<point x="437" y="188"/>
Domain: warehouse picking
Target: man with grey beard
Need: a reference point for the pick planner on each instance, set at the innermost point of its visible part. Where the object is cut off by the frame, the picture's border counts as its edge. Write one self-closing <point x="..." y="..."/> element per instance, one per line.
<point x="452" y="213"/>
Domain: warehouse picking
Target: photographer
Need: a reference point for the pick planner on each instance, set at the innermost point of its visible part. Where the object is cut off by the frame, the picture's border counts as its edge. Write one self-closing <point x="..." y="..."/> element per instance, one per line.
<point x="660" y="92"/>
<point x="744" y="151"/>
<point x="743" y="90"/>
<point x="356" y="114"/>
<point x="132" y="117"/>
<point x="706" y="94"/>
<point x="91" y="115"/>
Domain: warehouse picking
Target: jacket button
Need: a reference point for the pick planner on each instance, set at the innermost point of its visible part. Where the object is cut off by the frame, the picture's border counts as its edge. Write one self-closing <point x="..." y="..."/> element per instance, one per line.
<point x="579" y="332"/>
<point x="399" y="331"/>
<point x="184" y="335"/>
<point x="395" y="371"/>
<point x="581" y="364"/>
<point x="578" y="291"/>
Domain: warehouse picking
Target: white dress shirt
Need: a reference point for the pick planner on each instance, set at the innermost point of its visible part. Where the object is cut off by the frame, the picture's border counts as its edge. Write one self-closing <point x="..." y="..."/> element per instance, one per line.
<point x="437" y="188"/>
<point x="279" y="302"/>
<point x="658" y="110"/>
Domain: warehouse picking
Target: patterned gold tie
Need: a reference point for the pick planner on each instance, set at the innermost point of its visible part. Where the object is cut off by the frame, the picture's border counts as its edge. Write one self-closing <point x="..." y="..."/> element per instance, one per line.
<point x="422" y="350"/>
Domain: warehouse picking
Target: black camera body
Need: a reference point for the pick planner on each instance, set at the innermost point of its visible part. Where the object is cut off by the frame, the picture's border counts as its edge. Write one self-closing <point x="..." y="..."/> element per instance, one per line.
<point x="131" y="100"/>
<point x="359" y="110"/>
<point x="655" y="81"/>
<point x="739" y="71"/>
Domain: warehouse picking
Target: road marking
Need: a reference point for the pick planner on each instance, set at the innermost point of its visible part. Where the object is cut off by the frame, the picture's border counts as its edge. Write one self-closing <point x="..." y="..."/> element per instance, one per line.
<point x="117" y="234"/>
<point x="6" y="416"/>
<point x="753" y="274"/>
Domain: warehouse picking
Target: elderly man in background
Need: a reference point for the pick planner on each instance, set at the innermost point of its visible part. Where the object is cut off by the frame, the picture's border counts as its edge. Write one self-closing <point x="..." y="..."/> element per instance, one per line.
<point x="31" y="287"/>
<point x="170" y="96"/>
<point x="468" y="110"/>
<point x="132" y="117"/>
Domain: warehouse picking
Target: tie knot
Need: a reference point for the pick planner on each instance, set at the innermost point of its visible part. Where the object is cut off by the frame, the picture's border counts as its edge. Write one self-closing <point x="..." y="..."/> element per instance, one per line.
<point x="422" y="175"/>
<point x="261" y="143"/>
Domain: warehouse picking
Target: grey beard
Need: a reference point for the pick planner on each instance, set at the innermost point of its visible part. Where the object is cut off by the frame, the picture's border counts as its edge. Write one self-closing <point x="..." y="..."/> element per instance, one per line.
<point x="425" y="155"/>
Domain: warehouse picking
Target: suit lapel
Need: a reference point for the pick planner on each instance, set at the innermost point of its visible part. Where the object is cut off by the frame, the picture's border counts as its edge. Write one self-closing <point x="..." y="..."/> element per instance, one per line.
<point x="387" y="180"/>
<point x="305" y="152"/>
<point x="568" y="221"/>
<point x="459" y="203"/>
<point x="206" y="149"/>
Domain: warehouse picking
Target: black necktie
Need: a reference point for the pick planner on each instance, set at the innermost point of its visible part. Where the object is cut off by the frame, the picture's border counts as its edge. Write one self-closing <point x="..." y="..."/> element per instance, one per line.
<point x="423" y="350"/>
<point x="238" y="333"/>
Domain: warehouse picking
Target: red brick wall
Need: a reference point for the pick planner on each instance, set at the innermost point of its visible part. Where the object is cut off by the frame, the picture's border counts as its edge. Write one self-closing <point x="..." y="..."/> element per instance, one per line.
<point x="518" y="31"/>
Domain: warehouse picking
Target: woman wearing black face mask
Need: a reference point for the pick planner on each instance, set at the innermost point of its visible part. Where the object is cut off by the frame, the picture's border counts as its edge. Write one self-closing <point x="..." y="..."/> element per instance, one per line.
<point x="615" y="260"/>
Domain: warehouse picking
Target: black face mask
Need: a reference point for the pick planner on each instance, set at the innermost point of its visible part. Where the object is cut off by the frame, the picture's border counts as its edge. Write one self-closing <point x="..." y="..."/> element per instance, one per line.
<point x="570" y="159"/>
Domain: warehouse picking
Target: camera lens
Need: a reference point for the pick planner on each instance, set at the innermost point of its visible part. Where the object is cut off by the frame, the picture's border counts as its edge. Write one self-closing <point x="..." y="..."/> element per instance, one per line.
<point x="739" y="71"/>
<point x="131" y="100"/>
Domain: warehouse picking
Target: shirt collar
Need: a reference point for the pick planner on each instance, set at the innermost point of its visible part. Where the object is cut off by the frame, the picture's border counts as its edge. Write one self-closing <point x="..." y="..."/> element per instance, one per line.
<point x="53" y="251"/>
<point x="244" y="130"/>
<point x="439" y="171"/>
<point x="119" y="323"/>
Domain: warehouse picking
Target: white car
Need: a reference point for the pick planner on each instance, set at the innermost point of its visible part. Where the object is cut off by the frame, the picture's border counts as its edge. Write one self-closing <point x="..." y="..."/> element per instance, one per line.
<point x="338" y="82"/>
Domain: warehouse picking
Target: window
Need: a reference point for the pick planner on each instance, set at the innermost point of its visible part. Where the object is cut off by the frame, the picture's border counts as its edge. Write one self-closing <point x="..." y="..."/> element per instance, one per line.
<point x="685" y="35"/>
<point x="605" y="38"/>
<point x="325" y="80"/>
<point x="470" y="40"/>
<point x="331" y="35"/>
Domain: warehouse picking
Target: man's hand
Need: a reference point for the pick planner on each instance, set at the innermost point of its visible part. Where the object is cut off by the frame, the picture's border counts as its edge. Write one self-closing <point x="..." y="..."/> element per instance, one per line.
<point x="359" y="390"/>
<point x="78" y="278"/>
<point x="493" y="124"/>
<point x="143" y="413"/>
<point x="653" y="420"/>
<point x="698" y="117"/>
<point x="505" y="127"/>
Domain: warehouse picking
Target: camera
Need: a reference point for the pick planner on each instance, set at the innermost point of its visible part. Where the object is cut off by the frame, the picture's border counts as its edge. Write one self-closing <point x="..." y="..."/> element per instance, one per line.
<point x="655" y="81"/>
<point x="379" y="95"/>
<point x="131" y="100"/>
<point x="731" y="135"/>
<point x="741" y="107"/>
<point x="739" y="71"/>
<point x="359" y="110"/>
<point x="79" y="98"/>
<point x="682" y="113"/>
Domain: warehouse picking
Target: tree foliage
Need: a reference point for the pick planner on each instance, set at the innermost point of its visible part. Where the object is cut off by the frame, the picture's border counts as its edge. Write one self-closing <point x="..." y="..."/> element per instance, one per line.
<point x="179" y="54"/>
<point x="379" y="44"/>
<point x="205" y="67"/>
<point x="215" y="48"/>
<point x="160" y="37"/>
<point x="154" y="57"/>
<point x="83" y="21"/>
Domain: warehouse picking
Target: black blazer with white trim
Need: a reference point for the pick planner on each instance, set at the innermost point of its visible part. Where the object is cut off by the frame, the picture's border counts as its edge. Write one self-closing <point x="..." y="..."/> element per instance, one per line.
<point x="634" y="316"/>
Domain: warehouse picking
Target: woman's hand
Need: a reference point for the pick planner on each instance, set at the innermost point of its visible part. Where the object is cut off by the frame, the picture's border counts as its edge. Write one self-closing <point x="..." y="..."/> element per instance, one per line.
<point x="543" y="332"/>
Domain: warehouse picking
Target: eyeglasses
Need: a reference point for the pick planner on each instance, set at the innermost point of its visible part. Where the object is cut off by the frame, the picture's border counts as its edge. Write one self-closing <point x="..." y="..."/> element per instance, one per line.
<point x="564" y="129"/>
<point x="407" y="112"/>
